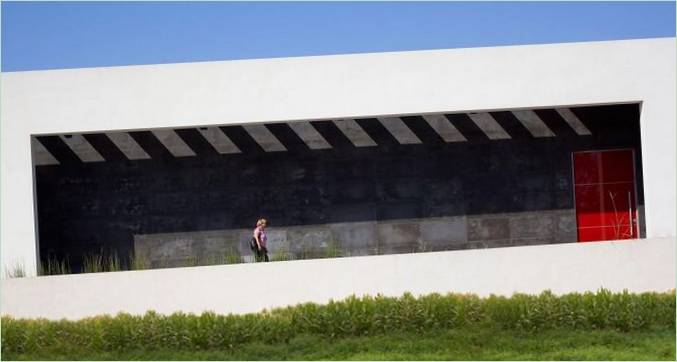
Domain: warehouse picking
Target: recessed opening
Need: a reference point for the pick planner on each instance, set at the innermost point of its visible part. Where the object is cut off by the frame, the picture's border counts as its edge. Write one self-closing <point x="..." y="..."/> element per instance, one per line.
<point x="397" y="184"/>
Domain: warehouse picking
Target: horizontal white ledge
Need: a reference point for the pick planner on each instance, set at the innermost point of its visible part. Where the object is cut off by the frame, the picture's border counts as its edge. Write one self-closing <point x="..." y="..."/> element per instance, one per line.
<point x="635" y="265"/>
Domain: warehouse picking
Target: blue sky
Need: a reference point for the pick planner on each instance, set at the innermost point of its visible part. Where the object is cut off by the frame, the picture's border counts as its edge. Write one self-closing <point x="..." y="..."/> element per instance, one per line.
<point x="73" y="35"/>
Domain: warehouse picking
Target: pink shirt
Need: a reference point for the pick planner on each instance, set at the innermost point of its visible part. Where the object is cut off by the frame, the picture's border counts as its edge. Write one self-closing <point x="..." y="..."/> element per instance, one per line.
<point x="261" y="234"/>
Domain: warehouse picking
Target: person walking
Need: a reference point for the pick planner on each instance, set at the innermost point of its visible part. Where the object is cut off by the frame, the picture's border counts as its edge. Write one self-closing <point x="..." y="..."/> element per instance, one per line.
<point x="260" y="240"/>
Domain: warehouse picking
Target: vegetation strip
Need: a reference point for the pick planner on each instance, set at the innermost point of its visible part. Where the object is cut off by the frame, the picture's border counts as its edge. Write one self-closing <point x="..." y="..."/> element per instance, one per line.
<point x="352" y="317"/>
<point x="110" y="262"/>
<point x="479" y="344"/>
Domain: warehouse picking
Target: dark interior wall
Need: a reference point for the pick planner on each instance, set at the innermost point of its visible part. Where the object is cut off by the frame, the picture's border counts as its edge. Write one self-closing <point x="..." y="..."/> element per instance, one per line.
<point x="87" y="207"/>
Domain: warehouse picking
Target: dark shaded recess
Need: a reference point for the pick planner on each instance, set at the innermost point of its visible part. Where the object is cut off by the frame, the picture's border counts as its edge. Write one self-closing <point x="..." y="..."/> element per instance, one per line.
<point x="88" y="207"/>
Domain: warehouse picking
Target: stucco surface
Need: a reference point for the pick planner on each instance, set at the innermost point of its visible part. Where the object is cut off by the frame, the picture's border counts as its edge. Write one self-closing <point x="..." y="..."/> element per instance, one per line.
<point x="635" y="265"/>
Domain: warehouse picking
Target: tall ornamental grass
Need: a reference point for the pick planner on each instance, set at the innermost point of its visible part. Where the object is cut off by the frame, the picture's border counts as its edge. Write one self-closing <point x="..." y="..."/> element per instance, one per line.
<point x="98" y="263"/>
<point x="353" y="316"/>
<point x="54" y="266"/>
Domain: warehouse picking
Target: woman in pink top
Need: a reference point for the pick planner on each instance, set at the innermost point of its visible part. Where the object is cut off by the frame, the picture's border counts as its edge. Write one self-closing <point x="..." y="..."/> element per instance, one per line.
<point x="261" y="240"/>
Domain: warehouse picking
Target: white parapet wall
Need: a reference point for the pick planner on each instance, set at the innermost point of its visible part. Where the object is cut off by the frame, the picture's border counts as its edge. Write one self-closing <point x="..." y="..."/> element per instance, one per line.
<point x="634" y="265"/>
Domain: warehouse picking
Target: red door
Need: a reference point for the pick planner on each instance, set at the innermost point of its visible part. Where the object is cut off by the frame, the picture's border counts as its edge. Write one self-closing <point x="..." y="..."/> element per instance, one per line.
<point x="606" y="207"/>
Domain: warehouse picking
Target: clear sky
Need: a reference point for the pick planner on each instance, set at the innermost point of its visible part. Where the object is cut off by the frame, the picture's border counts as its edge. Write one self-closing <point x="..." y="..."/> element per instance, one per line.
<point x="73" y="35"/>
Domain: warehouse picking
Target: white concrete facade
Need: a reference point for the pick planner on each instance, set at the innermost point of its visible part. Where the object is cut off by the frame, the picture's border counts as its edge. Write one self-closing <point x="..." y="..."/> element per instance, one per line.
<point x="633" y="265"/>
<point x="337" y="87"/>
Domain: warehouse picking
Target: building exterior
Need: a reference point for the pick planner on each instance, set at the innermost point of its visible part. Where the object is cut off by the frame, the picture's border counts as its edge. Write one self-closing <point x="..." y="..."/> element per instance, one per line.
<point x="368" y="154"/>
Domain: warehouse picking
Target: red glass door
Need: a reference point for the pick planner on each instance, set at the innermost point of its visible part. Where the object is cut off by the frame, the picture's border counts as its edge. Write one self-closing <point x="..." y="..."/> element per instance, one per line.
<point x="605" y="199"/>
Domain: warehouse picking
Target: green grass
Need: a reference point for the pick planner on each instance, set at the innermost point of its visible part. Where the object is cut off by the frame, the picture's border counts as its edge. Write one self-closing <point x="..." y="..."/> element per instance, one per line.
<point x="467" y="344"/>
<point x="600" y="325"/>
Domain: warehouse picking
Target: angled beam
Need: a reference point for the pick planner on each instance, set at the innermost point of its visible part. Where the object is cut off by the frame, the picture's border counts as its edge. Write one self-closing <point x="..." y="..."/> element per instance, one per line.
<point x="399" y="130"/>
<point x="309" y="135"/>
<point x="533" y="123"/>
<point x="127" y="145"/>
<point x="42" y="156"/>
<point x="82" y="148"/>
<point x="264" y="137"/>
<point x="444" y="128"/>
<point x="173" y="142"/>
<point x="354" y="133"/>
<point x="489" y="126"/>
<point x="573" y="121"/>
<point x="221" y="143"/>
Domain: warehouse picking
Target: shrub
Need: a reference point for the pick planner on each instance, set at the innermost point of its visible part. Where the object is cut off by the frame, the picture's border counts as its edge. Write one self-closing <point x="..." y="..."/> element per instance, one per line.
<point x="350" y="317"/>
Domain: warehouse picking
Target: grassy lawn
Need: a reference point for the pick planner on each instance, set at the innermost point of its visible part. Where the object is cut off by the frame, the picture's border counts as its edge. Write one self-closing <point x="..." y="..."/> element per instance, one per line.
<point x="467" y="344"/>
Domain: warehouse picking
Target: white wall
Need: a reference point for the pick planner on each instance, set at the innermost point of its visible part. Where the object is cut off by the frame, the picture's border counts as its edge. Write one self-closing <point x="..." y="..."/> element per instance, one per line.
<point x="326" y="87"/>
<point x="637" y="265"/>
